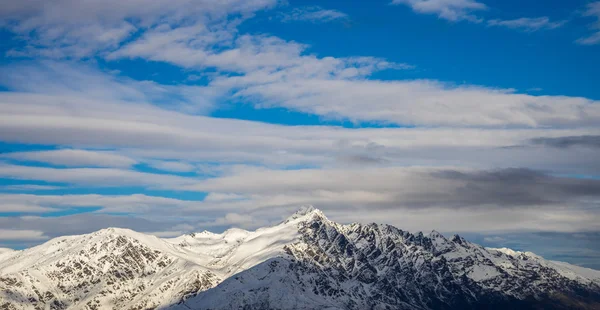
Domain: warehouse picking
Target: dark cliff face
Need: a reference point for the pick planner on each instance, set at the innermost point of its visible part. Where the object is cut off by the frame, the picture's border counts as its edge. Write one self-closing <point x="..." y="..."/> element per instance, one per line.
<point x="424" y="271"/>
<point x="382" y="267"/>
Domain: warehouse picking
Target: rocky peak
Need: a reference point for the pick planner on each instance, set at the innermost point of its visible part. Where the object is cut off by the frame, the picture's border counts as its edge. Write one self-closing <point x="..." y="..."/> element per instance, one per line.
<point x="458" y="239"/>
<point x="435" y="235"/>
<point x="308" y="212"/>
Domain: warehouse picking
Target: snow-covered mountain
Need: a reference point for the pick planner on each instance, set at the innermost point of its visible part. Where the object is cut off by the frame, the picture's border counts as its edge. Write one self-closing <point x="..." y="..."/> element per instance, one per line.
<point x="305" y="262"/>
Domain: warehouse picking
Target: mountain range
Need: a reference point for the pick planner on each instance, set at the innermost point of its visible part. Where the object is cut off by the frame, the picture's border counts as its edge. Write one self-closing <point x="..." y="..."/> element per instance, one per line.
<point x="305" y="262"/>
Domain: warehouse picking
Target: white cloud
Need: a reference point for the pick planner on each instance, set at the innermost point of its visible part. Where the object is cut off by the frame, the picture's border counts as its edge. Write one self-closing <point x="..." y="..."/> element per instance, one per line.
<point x="102" y="177"/>
<point x="278" y="73"/>
<point x="166" y="234"/>
<point x="592" y="10"/>
<point x="590" y="40"/>
<point x="420" y="102"/>
<point x="142" y="205"/>
<point x="482" y="220"/>
<point x="74" y="158"/>
<point x="452" y="10"/>
<point x="85" y="223"/>
<point x="30" y="187"/>
<point x="238" y="220"/>
<point x="70" y="114"/>
<point x="29" y="235"/>
<point x="396" y="186"/>
<point x="313" y="14"/>
<point x="70" y="28"/>
<point x="198" y="47"/>
<point x="8" y="207"/>
<point x="327" y="87"/>
<point x="68" y="79"/>
<point x="535" y="89"/>
<point x="527" y="24"/>
<point x="494" y="239"/>
<point x="219" y="197"/>
<point x="413" y="198"/>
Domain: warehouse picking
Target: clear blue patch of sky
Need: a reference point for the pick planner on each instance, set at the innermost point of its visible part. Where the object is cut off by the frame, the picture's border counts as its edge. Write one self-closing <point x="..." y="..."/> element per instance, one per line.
<point x="8" y="42"/>
<point x="144" y="167"/>
<point x="160" y="72"/>
<point x="9" y="147"/>
<point x="284" y="116"/>
<point x="579" y="176"/>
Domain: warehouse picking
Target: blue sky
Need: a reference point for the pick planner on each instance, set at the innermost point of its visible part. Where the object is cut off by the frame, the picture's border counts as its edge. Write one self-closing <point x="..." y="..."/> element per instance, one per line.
<point x="477" y="117"/>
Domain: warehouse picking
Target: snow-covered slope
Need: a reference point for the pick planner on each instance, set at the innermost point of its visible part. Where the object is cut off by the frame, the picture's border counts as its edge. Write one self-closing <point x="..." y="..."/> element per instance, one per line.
<point x="111" y="268"/>
<point x="305" y="262"/>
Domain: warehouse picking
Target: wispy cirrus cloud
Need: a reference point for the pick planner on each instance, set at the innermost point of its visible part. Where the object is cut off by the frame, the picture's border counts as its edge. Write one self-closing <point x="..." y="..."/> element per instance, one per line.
<point x="22" y="234"/>
<point x="592" y="10"/>
<point x="452" y="10"/>
<point x="95" y="177"/>
<point x="31" y="187"/>
<point x="20" y="208"/>
<point x="74" y="158"/>
<point x="569" y="142"/>
<point x="187" y="47"/>
<point x="138" y="204"/>
<point x="314" y="14"/>
<point x="76" y="29"/>
<point x="457" y="10"/>
<point x="527" y="24"/>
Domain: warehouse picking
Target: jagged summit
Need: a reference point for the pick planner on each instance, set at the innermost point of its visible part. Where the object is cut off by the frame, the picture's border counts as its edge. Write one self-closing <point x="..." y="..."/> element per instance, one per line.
<point x="513" y="253"/>
<point x="435" y="234"/>
<point x="305" y="211"/>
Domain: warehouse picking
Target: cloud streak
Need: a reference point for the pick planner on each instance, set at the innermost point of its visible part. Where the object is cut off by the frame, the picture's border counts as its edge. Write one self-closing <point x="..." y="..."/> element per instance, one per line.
<point x="452" y="10"/>
<point x="568" y="142"/>
<point x="527" y="24"/>
<point x="28" y="235"/>
<point x="592" y="10"/>
<point x="74" y="158"/>
<point x="99" y="177"/>
<point x="76" y="29"/>
<point x="314" y="14"/>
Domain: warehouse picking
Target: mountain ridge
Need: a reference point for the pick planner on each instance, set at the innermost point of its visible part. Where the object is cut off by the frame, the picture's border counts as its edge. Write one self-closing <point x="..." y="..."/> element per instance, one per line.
<point x="304" y="262"/>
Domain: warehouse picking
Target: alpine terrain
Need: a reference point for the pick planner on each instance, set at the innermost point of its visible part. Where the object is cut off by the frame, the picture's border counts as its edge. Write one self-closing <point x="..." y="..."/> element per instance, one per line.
<point x="305" y="262"/>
